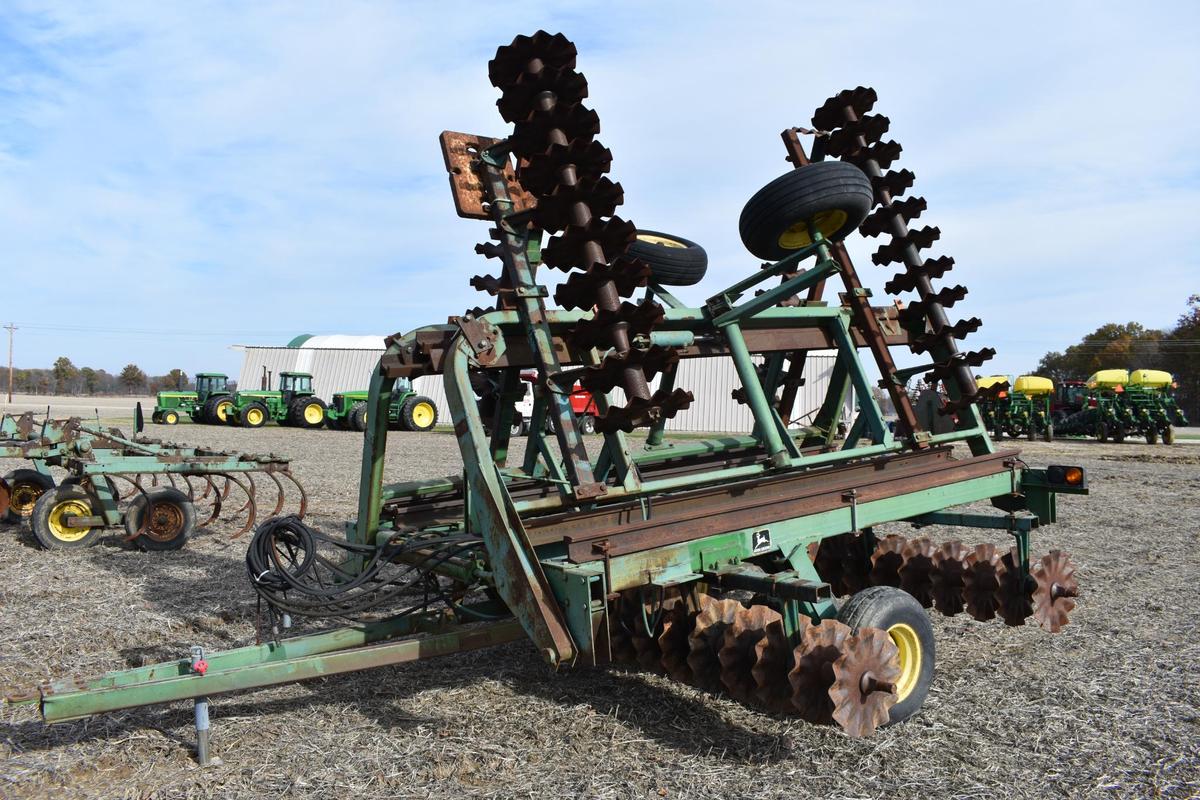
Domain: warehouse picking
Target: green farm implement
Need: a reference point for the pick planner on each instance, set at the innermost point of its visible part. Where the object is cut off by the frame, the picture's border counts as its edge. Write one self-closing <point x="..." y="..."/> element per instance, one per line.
<point x="208" y="404"/>
<point x="1116" y="404"/>
<point x="1018" y="409"/>
<point x="717" y="562"/>
<point x="153" y="489"/>
<point x="406" y="411"/>
<point x="293" y="404"/>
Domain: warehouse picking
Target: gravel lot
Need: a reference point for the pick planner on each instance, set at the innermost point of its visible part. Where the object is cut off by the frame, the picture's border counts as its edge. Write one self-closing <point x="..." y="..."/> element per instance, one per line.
<point x="1108" y="708"/>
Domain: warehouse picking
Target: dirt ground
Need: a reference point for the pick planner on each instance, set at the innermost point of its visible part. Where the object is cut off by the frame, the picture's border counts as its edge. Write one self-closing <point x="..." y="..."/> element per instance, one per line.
<point x="1108" y="708"/>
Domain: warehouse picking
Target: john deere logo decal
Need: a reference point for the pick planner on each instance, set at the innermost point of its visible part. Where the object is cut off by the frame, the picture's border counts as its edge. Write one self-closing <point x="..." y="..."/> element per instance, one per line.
<point x="761" y="541"/>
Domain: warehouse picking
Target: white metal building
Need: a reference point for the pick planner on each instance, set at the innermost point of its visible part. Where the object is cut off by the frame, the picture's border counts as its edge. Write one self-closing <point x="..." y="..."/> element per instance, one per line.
<point x="344" y="363"/>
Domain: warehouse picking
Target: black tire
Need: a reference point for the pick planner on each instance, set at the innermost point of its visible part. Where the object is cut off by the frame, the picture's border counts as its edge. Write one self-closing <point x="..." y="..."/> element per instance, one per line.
<point x="169" y="417"/>
<point x="1048" y="434"/>
<point x="302" y="413"/>
<point x="835" y="195"/>
<point x="673" y="260"/>
<point x="212" y="414"/>
<point x="587" y="424"/>
<point x="998" y="434"/>
<point x="419" y="414"/>
<point x="1151" y="436"/>
<point x="1118" y="435"/>
<point x="1031" y="432"/>
<point x="155" y="417"/>
<point x="172" y="519"/>
<point x="357" y="420"/>
<point x="247" y="419"/>
<point x="48" y="523"/>
<point x="1102" y="431"/>
<point x="1168" y="435"/>
<point x="888" y="608"/>
<point x="25" y="486"/>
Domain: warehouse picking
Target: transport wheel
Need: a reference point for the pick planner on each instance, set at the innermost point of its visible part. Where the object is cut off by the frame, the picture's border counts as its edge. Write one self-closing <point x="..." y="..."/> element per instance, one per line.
<point x="358" y="417"/>
<point x="1102" y="431"/>
<point x="1168" y="435"/>
<point x="587" y="424"/>
<point x="1048" y="434"/>
<point x="307" y="412"/>
<point x="50" y="519"/>
<point x="673" y="260"/>
<point x="254" y="415"/>
<point x="419" y="414"/>
<point x="1151" y="436"/>
<point x="169" y="517"/>
<point x="998" y="434"/>
<point x="25" y="486"/>
<point x="1118" y="434"/>
<point x="519" y="427"/>
<point x="5" y="497"/>
<point x="216" y="410"/>
<point x="832" y="196"/>
<point x="170" y="418"/>
<point x="906" y="623"/>
<point x="1031" y="432"/>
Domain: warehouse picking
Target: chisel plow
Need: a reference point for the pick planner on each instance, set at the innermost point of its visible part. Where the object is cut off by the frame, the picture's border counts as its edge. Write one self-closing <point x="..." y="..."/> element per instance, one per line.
<point x="160" y="492"/>
<point x="718" y="562"/>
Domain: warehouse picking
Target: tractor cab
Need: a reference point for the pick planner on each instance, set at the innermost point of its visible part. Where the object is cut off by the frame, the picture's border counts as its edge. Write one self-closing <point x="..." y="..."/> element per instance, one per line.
<point x="211" y="383"/>
<point x="1069" y="397"/>
<point x="293" y="385"/>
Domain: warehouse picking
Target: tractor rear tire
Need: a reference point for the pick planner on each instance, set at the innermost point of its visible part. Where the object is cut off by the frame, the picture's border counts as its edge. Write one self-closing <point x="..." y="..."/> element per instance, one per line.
<point x="216" y="409"/>
<point x="25" y="486"/>
<point x="254" y="415"/>
<point x="50" y="526"/>
<point x="898" y="613"/>
<point x="307" y="412"/>
<point x="172" y="519"/>
<point x="834" y="196"/>
<point x="419" y="414"/>
<point x="673" y="260"/>
<point x="357" y="420"/>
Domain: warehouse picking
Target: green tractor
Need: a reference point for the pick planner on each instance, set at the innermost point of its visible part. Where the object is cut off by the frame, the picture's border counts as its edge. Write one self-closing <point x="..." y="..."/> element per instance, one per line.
<point x="293" y="404"/>
<point x="407" y="410"/>
<point x="209" y="403"/>
<point x="1150" y="407"/>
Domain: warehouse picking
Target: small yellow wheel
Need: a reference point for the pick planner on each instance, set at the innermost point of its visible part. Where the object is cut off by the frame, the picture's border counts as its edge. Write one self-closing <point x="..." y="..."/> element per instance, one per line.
<point x="54" y="520"/>
<point x="25" y="486"/>
<point x="170" y="418"/>
<point x="419" y="414"/>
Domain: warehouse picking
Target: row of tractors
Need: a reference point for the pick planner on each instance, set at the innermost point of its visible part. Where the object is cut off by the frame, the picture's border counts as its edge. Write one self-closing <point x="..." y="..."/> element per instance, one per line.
<point x="293" y="404"/>
<point x="1112" y="404"/>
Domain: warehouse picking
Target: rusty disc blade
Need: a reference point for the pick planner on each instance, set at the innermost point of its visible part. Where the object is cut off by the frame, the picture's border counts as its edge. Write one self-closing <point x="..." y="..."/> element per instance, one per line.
<point x="738" y="654"/>
<point x="1056" y="590"/>
<point x="887" y="560"/>
<point x="1014" y="597"/>
<point x="772" y="663"/>
<point x="812" y="672"/>
<point x="831" y="554"/>
<point x="981" y="581"/>
<point x="673" y="641"/>
<point x="708" y="634"/>
<point x="864" y="684"/>
<point x="916" y="573"/>
<point x="948" y="568"/>
<point x="620" y="628"/>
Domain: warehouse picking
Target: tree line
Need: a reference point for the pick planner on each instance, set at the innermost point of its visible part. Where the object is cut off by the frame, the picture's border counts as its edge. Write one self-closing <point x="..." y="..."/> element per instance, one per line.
<point x="66" y="378"/>
<point x="1133" y="346"/>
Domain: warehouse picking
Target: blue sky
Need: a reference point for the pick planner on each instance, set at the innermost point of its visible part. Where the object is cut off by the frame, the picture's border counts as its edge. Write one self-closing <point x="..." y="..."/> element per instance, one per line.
<point x="176" y="178"/>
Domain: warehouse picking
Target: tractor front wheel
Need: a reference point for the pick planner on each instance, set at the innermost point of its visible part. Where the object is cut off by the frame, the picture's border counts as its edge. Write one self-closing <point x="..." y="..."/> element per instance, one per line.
<point x="170" y="418"/>
<point x="907" y="625"/>
<point x="51" y="519"/>
<point x="160" y="519"/>
<point x="25" y="486"/>
<point x="254" y="415"/>
<point x="419" y="414"/>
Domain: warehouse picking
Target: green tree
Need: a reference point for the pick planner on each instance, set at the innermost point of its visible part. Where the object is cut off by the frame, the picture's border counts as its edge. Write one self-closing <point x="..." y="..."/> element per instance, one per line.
<point x="132" y="378"/>
<point x="177" y="379"/>
<point x="1181" y="357"/>
<point x="64" y="373"/>
<point x="91" y="380"/>
<point x="1111" y="346"/>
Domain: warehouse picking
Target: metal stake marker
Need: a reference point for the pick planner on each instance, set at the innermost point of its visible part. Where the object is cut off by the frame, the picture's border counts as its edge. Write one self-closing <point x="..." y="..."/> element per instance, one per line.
<point x="202" y="731"/>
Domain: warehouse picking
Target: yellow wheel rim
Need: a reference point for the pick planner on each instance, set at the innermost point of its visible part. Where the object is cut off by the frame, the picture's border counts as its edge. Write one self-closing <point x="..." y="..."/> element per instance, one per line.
<point x="58" y="520"/>
<point x="423" y="415"/>
<point x="172" y="418"/>
<point x="660" y="240"/>
<point x="827" y="222"/>
<point x="909" y="646"/>
<point x="313" y="414"/>
<point x="24" y="495"/>
<point x="223" y="410"/>
<point x="364" y="417"/>
<point x="254" y="416"/>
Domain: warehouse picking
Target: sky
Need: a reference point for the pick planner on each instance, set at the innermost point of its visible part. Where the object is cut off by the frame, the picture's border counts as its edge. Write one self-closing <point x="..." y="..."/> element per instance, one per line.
<point x="176" y="178"/>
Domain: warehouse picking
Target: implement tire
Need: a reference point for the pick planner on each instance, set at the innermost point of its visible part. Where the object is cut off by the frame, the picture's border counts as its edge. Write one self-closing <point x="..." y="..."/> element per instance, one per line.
<point x="49" y="523"/>
<point x="673" y="260"/>
<point x="833" y="196"/>
<point x="419" y="414"/>
<point x="25" y="486"/>
<point x="171" y="522"/>
<point x="901" y="616"/>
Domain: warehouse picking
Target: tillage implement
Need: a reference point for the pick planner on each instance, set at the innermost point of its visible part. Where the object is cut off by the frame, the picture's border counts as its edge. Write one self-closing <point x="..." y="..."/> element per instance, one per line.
<point x="159" y="492"/>
<point x="717" y="562"/>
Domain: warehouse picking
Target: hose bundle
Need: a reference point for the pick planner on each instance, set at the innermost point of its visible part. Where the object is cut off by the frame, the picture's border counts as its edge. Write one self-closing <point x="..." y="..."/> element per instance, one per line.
<point x="291" y="572"/>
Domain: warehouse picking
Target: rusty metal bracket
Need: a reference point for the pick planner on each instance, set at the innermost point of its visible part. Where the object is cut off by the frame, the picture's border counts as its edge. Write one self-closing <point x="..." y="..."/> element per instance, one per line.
<point x="461" y="152"/>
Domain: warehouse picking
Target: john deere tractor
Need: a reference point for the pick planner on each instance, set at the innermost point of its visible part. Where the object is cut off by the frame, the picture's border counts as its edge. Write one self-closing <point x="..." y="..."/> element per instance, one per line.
<point x="208" y="404"/>
<point x="294" y="404"/>
<point x="407" y="410"/>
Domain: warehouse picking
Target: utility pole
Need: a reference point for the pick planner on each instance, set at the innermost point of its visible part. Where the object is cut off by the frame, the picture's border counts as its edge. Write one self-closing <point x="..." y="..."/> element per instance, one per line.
<point x="11" y="329"/>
